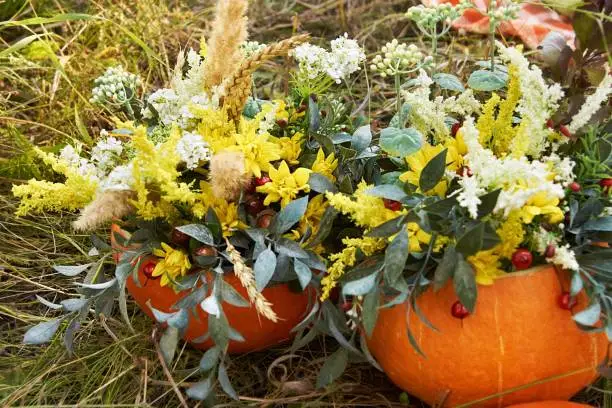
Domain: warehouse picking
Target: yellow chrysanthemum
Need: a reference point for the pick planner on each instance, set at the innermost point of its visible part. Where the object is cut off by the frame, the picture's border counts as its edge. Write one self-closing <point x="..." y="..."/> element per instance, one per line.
<point x="486" y="266"/>
<point x="175" y="263"/>
<point x="418" y="160"/>
<point x="285" y="186"/>
<point x="258" y="150"/>
<point x="314" y="212"/>
<point x="281" y="110"/>
<point x="347" y="258"/>
<point x="227" y="212"/>
<point x="218" y="131"/>
<point x="325" y="165"/>
<point x="542" y="204"/>
<point x="416" y="237"/>
<point x="290" y="147"/>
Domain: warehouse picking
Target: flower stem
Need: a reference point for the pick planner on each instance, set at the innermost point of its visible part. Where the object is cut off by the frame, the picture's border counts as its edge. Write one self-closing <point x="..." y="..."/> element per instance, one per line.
<point x="398" y="104"/>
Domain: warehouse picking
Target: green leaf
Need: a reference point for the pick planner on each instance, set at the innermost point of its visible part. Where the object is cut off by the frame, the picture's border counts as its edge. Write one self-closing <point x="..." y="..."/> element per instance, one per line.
<point x="488" y="203"/>
<point x="361" y="138"/>
<point x="303" y="273"/>
<point x="598" y="224"/>
<point x="333" y="368"/>
<point x="471" y="241"/>
<point x="213" y="223"/>
<point x="264" y="268"/>
<point x="73" y="326"/>
<point x="47" y="20"/>
<point x="389" y="191"/>
<point x="441" y="207"/>
<point x="396" y="256"/>
<point x="198" y="232"/>
<point x="72" y="305"/>
<point x="325" y="227"/>
<point x="71" y="270"/>
<point x="42" y="332"/>
<point x="210" y="358"/>
<point x="50" y="305"/>
<point x="400" y="142"/>
<point x="483" y="80"/>
<point x="413" y="342"/>
<point x="219" y="330"/>
<point x="231" y="295"/>
<point x="589" y="316"/>
<point x="321" y="184"/>
<point x="168" y="343"/>
<point x="448" y="81"/>
<point x="465" y="284"/>
<point x="314" y="116"/>
<point x="210" y="305"/>
<point x="290" y="248"/>
<point x="388" y="228"/>
<point x="433" y="171"/>
<point x="399" y="119"/>
<point x="289" y="216"/>
<point x="446" y="268"/>
<point x="576" y="284"/>
<point x="200" y="390"/>
<point x="369" y="312"/>
<point x="360" y="286"/>
<point x="225" y="382"/>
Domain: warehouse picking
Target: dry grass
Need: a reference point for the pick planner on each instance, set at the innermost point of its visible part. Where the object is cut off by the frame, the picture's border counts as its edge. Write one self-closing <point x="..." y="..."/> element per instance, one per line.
<point x="44" y="92"/>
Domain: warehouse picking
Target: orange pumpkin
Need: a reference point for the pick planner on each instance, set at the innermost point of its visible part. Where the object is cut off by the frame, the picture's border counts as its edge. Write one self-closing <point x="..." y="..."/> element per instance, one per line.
<point x="258" y="332"/>
<point x="550" y="404"/>
<point x="518" y="346"/>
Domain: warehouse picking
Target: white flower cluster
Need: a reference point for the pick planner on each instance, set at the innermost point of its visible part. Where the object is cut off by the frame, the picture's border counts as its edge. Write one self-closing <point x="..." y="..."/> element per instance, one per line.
<point x="72" y="158"/>
<point x="396" y="58"/>
<point x="106" y="153"/>
<point x="192" y="149"/>
<point x="565" y="258"/>
<point x="563" y="168"/>
<point x="249" y="48"/>
<point x="519" y="178"/>
<point x="502" y="12"/>
<point x="592" y="103"/>
<point x="429" y="17"/>
<point x="115" y="86"/>
<point x="469" y="195"/>
<point x="175" y="104"/>
<point x="428" y="116"/>
<point x="538" y="101"/>
<point x="120" y="178"/>
<point x="344" y="58"/>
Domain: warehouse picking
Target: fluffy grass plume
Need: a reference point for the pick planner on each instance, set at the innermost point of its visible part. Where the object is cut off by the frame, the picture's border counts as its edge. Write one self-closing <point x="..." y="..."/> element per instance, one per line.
<point x="228" y="175"/>
<point x="105" y="207"/>
<point x="229" y="30"/>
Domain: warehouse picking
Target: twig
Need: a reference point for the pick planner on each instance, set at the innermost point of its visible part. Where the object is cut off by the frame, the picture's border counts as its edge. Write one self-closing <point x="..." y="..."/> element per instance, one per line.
<point x="166" y="371"/>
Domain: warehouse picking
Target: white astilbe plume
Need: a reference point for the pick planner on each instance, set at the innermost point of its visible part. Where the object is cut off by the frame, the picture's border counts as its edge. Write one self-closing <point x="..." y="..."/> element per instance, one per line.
<point x="469" y="195"/>
<point x="592" y="103"/>
<point x="246" y="276"/>
<point x="538" y="101"/>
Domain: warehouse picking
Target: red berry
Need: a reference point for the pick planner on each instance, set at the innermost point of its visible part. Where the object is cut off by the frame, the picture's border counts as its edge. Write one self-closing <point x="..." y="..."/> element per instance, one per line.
<point x="465" y="171"/>
<point x="566" y="301"/>
<point x="455" y="128"/>
<point x="282" y="123"/>
<point x="250" y="188"/>
<point x="459" y="311"/>
<point x="550" y="124"/>
<point x="606" y="184"/>
<point x="254" y="205"/>
<point x="264" y="220"/>
<point x="260" y="181"/>
<point x="565" y="131"/>
<point x="392" y="204"/>
<point x="148" y="268"/>
<point x="522" y="259"/>
<point x="550" y="251"/>
<point x="575" y="187"/>
<point x="302" y="108"/>
<point x="205" y="250"/>
<point x="179" y="238"/>
<point x="346" y="306"/>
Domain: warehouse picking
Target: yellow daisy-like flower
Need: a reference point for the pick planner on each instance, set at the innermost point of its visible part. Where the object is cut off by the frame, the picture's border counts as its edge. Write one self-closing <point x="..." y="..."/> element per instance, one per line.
<point x="417" y="162"/>
<point x="281" y="110"/>
<point x="175" y="263"/>
<point x="542" y="204"/>
<point x="226" y="211"/>
<point x="314" y="213"/>
<point x="325" y="165"/>
<point x="285" y="185"/>
<point x="486" y="266"/>
<point x="290" y="147"/>
<point x="416" y="237"/>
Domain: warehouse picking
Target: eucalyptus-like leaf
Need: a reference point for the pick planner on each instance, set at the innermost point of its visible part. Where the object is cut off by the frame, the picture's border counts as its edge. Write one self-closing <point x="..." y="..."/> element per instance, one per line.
<point x="333" y="367"/>
<point x="446" y="268"/>
<point x="396" y="255"/>
<point x="210" y="358"/>
<point x="361" y="138"/>
<point x="464" y="281"/>
<point x="433" y="171"/>
<point x="399" y="119"/>
<point x="168" y="342"/>
<point x="72" y="305"/>
<point x="360" y="286"/>
<point x="576" y="284"/>
<point x="400" y="142"/>
<point x="389" y="191"/>
<point x="225" y="382"/>
<point x="200" y="390"/>
<point x="289" y="216"/>
<point x="325" y="227"/>
<point x="198" y="232"/>
<point x="97" y="286"/>
<point x="264" y="268"/>
<point x="211" y="306"/>
<point x="50" y="305"/>
<point x="235" y="335"/>
<point x="219" y="330"/>
<point x="71" y="270"/>
<point x="180" y="319"/>
<point x="42" y="332"/>
<point x="448" y="81"/>
<point x="321" y="184"/>
<point x="71" y="329"/>
<point x="484" y="80"/>
<point x="603" y="224"/>
<point x="488" y="203"/>
<point x="231" y="295"/>
<point x="303" y="272"/>
<point x="290" y="248"/>
<point x="369" y="311"/>
<point x="388" y="228"/>
<point x="472" y="240"/>
<point x="589" y="316"/>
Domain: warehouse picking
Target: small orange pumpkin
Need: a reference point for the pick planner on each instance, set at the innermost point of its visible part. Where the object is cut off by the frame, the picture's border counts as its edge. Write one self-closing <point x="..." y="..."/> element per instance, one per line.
<point x="259" y="333"/>
<point x="519" y="345"/>
<point x="550" y="404"/>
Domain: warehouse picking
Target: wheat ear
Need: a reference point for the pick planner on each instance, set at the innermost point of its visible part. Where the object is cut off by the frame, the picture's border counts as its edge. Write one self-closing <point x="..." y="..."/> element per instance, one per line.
<point x="238" y="86"/>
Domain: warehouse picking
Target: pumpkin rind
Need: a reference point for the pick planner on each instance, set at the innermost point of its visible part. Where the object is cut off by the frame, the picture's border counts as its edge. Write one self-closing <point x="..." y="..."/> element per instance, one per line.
<point x="517" y="336"/>
<point x="550" y="404"/>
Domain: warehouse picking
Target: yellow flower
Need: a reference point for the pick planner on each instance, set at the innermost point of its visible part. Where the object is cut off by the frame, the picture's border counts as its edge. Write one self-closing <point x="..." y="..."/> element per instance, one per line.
<point x="175" y="263"/>
<point x="486" y="121"/>
<point x="504" y="133"/>
<point x="290" y="147"/>
<point x="416" y="237"/>
<point x="226" y="211"/>
<point x="347" y="258"/>
<point x="314" y="213"/>
<point x="511" y="233"/>
<point x="285" y="186"/>
<point x="258" y="150"/>
<point x="418" y="160"/>
<point x="542" y="204"/>
<point x="281" y="110"/>
<point x="486" y="266"/>
<point x="325" y="165"/>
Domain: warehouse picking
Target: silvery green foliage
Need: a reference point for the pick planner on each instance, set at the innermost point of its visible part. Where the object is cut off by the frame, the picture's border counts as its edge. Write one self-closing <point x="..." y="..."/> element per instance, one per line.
<point x="115" y="89"/>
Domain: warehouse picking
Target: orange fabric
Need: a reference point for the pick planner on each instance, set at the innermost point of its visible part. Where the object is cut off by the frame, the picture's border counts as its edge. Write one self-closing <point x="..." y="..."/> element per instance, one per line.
<point x="532" y="25"/>
<point x="259" y="333"/>
<point x="517" y="336"/>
